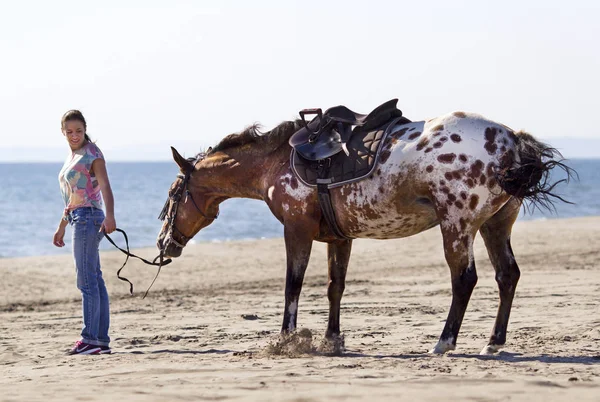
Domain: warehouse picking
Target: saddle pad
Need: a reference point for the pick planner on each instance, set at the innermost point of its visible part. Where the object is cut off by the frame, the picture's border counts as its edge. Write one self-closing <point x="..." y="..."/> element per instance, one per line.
<point x="363" y="148"/>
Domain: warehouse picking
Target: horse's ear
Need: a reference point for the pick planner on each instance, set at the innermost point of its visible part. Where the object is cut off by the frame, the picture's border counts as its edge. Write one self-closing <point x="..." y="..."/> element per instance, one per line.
<point x="183" y="163"/>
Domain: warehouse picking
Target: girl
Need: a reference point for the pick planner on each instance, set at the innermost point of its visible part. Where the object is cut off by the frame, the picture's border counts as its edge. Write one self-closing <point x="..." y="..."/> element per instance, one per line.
<point x="84" y="184"/>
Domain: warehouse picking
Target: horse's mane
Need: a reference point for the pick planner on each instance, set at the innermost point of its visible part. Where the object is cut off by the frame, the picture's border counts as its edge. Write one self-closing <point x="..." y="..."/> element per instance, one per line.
<point x="269" y="141"/>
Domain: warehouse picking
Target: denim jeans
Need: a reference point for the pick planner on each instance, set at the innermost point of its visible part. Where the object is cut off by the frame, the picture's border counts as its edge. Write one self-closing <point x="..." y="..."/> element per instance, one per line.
<point x="86" y="224"/>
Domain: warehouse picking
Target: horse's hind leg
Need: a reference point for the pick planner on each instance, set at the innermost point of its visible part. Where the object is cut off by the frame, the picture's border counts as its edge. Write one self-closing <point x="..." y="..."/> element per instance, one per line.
<point x="496" y="235"/>
<point x="458" y="249"/>
<point x="338" y="255"/>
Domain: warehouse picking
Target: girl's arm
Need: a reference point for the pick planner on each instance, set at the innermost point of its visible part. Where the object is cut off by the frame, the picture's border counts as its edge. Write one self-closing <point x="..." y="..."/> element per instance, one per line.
<point x="99" y="167"/>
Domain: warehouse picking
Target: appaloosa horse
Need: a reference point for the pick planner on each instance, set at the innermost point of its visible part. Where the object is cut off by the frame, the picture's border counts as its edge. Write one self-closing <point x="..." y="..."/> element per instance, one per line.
<point x="460" y="171"/>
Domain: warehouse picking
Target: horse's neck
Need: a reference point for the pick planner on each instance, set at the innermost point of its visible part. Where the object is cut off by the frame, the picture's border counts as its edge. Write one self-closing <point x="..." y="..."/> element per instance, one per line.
<point x="246" y="175"/>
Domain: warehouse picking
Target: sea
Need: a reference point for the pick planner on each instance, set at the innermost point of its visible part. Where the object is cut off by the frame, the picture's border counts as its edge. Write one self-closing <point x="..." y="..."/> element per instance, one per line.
<point x="31" y="206"/>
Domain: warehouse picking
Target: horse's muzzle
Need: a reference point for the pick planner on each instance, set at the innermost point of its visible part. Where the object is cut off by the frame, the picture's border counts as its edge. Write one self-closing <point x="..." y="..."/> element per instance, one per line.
<point x="169" y="250"/>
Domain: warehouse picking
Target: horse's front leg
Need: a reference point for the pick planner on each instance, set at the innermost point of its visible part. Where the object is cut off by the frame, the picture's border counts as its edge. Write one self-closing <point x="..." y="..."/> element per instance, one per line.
<point x="297" y="247"/>
<point x="458" y="249"/>
<point x="338" y="255"/>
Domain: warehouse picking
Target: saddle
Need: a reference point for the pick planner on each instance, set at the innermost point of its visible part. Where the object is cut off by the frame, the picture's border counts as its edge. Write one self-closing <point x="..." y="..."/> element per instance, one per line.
<point x="317" y="158"/>
<point x="327" y="134"/>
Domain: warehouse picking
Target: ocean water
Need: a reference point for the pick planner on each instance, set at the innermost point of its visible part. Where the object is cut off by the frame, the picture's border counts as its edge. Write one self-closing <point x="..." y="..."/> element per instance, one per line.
<point x="31" y="206"/>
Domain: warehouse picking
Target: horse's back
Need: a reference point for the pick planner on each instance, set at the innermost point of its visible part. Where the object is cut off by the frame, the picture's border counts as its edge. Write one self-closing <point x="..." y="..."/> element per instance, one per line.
<point x="440" y="170"/>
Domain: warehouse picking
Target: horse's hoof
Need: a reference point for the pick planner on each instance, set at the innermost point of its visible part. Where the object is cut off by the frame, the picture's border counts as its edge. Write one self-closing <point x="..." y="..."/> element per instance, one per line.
<point x="332" y="346"/>
<point x="490" y="350"/>
<point x="443" y="346"/>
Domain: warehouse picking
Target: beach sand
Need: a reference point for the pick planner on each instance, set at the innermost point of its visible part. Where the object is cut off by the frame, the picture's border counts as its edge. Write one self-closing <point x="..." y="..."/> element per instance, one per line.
<point x="209" y="328"/>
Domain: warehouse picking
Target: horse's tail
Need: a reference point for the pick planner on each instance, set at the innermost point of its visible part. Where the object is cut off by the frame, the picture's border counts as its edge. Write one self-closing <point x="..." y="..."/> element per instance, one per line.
<point x="527" y="176"/>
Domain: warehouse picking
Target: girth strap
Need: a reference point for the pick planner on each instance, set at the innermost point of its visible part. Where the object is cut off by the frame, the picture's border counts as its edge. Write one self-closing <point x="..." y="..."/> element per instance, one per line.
<point x="324" y="198"/>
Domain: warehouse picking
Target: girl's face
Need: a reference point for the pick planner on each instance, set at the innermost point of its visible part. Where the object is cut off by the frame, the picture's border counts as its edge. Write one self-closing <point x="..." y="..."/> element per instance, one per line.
<point x="74" y="132"/>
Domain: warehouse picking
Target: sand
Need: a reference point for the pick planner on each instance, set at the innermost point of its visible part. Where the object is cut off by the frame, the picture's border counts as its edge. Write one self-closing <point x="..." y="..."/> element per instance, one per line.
<point x="209" y="329"/>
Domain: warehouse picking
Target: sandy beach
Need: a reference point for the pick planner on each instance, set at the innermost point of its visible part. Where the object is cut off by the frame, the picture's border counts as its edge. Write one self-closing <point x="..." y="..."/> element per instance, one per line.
<point x="209" y="329"/>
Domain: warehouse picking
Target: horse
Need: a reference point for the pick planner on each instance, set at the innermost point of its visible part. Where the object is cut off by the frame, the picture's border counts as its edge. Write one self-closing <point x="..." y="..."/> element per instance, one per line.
<point x="460" y="171"/>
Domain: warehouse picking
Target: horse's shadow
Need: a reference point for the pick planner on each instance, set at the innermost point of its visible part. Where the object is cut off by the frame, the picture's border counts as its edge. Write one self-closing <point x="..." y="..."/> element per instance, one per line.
<point x="502" y="356"/>
<point x="180" y="352"/>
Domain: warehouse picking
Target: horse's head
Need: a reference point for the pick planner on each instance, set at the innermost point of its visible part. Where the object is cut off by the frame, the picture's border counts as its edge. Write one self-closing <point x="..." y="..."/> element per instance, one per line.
<point x="190" y="207"/>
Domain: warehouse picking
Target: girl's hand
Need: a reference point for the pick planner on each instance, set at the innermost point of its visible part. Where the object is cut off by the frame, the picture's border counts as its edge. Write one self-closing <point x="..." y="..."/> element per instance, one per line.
<point x="59" y="236"/>
<point x="109" y="225"/>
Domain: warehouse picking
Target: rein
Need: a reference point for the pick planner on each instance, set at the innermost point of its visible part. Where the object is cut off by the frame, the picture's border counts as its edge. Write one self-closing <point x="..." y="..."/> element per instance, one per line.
<point x="160" y="264"/>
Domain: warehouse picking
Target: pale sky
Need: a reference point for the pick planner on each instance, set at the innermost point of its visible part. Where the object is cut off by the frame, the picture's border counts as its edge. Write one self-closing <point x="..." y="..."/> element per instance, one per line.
<point x="149" y="74"/>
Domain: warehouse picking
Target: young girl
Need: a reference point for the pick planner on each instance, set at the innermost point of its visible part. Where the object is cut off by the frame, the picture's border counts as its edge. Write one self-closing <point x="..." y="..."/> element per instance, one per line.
<point x="84" y="184"/>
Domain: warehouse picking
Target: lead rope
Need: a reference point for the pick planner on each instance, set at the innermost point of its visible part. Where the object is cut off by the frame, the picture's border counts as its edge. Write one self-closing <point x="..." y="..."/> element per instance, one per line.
<point x="162" y="262"/>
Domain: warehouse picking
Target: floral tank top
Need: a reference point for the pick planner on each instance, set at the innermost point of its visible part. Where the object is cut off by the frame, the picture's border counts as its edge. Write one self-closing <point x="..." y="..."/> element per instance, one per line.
<point x="78" y="186"/>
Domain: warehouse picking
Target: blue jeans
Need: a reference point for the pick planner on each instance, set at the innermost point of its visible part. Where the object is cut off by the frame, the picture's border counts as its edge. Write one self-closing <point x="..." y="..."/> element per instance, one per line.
<point x="86" y="224"/>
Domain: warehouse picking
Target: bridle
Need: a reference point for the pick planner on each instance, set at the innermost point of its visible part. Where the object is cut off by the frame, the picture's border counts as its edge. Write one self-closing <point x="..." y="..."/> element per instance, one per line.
<point x="174" y="199"/>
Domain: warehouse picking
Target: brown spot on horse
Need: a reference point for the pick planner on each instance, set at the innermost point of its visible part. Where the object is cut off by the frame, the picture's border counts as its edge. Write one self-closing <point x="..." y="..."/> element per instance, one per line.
<point x="456" y="138"/>
<point x="460" y="115"/>
<point x="490" y="138"/>
<point x="439" y="127"/>
<point x="463" y="195"/>
<point x="476" y="169"/>
<point x="414" y="135"/>
<point x="459" y="205"/>
<point x="446" y="158"/>
<point x="429" y="168"/>
<point x="293" y="183"/>
<point x="438" y="145"/>
<point x="422" y="143"/>
<point x="399" y="133"/>
<point x="385" y="155"/>
<point x="463" y="158"/>
<point x="428" y="150"/>
<point x="474" y="200"/>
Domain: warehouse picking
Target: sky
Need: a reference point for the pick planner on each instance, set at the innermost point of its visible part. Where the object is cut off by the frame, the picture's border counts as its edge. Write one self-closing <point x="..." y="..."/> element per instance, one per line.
<point x="150" y="74"/>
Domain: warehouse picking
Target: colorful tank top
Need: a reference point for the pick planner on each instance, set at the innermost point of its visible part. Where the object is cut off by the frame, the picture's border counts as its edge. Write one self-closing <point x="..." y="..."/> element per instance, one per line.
<point x="79" y="188"/>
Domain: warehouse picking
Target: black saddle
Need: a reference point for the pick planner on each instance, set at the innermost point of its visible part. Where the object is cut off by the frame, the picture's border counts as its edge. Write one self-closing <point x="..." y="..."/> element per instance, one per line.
<point x="327" y="133"/>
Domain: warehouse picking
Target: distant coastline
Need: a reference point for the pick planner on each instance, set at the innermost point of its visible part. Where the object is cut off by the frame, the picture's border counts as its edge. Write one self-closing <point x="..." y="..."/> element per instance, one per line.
<point x="571" y="148"/>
